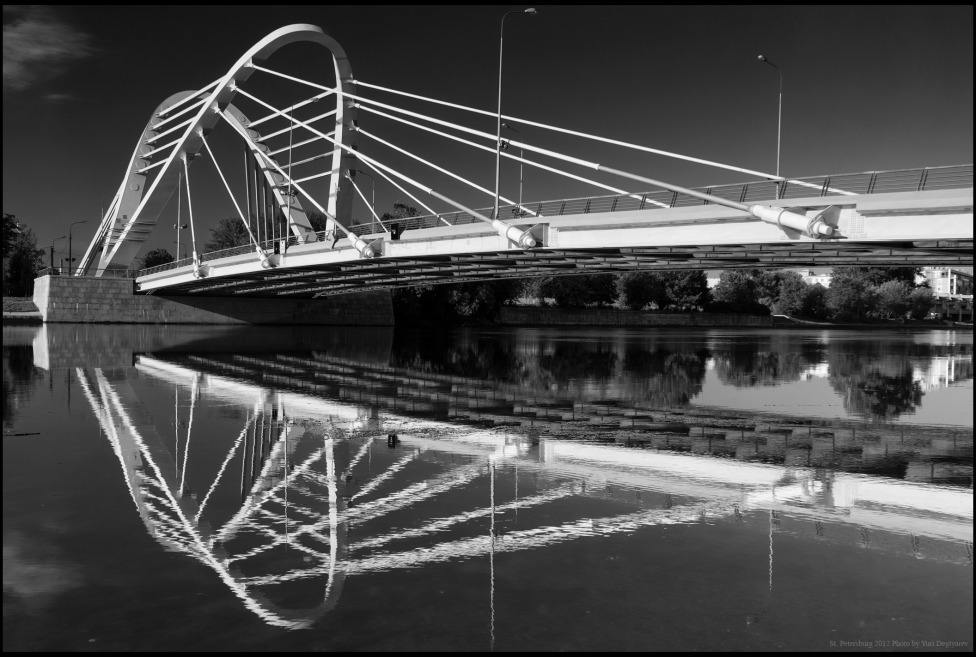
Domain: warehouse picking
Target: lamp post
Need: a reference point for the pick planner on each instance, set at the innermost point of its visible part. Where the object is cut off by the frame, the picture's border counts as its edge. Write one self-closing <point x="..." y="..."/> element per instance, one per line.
<point x="179" y="237"/>
<point x="52" y="249"/>
<point x="498" y="133"/>
<point x="69" y="242"/>
<point x="779" y="124"/>
<point x="372" y="209"/>
<point x="505" y="125"/>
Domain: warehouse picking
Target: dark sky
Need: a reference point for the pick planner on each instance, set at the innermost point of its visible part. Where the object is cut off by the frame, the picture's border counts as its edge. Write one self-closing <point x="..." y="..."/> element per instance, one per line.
<point x="864" y="88"/>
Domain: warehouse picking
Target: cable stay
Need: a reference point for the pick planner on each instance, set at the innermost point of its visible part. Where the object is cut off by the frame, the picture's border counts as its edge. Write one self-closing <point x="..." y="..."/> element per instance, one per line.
<point x="365" y="249"/>
<point x="522" y="238"/>
<point x="366" y="201"/>
<point x="511" y="157"/>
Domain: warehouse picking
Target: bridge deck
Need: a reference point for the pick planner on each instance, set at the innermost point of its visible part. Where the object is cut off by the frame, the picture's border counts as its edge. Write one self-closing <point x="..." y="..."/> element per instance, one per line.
<point x="931" y="227"/>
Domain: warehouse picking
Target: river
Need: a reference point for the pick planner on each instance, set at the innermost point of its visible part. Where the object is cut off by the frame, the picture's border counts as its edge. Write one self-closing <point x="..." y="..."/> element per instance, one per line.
<point x="182" y="488"/>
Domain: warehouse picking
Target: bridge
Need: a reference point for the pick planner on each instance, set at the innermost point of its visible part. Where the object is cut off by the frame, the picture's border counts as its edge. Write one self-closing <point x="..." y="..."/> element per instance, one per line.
<point x="301" y="163"/>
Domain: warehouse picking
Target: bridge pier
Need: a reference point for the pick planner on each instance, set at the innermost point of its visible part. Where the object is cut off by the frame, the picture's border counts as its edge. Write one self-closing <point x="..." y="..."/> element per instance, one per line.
<point x="113" y="300"/>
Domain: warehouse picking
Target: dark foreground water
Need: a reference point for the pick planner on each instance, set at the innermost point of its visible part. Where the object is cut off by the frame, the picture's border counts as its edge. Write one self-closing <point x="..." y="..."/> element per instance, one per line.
<point x="180" y="488"/>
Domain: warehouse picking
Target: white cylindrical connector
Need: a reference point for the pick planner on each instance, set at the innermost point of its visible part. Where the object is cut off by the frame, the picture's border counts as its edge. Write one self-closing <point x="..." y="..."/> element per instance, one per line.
<point x="812" y="227"/>
<point x="513" y="234"/>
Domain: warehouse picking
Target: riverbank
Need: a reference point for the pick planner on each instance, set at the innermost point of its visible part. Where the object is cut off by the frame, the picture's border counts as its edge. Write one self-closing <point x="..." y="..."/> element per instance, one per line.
<point x="20" y="310"/>
<point x="613" y="317"/>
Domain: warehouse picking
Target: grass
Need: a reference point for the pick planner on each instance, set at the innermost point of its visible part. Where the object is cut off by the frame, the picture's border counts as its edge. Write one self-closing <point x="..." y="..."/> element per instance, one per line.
<point x="19" y="305"/>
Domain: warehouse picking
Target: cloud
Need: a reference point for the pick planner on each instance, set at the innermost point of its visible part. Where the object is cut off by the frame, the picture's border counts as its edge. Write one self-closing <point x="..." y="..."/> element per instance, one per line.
<point x="38" y="45"/>
<point x="57" y="98"/>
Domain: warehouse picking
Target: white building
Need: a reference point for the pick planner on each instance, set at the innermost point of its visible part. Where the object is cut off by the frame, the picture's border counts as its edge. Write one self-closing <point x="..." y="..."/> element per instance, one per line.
<point x="948" y="282"/>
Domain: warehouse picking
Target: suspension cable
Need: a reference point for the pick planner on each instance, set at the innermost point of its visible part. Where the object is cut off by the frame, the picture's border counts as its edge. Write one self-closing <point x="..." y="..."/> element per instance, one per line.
<point x="504" y="229"/>
<point x="408" y="193"/>
<point x="247" y="184"/>
<point x="524" y="122"/>
<point x="575" y="133"/>
<point x="510" y="156"/>
<point x="189" y="209"/>
<point x="363" y="196"/>
<point x="179" y="207"/>
<point x="432" y="165"/>
<point x="358" y="243"/>
<point x="291" y="126"/>
<point x="231" y="194"/>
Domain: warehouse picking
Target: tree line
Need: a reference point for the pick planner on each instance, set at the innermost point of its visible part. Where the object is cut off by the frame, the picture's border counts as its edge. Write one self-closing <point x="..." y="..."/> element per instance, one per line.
<point x="22" y="258"/>
<point x="856" y="294"/>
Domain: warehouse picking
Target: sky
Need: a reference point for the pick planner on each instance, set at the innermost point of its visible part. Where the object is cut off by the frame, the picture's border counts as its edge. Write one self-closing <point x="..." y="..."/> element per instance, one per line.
<point x="864" y="89"/>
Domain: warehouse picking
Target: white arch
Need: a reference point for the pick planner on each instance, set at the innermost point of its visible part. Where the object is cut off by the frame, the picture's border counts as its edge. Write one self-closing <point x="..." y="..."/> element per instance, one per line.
<point x="135" y="210"/>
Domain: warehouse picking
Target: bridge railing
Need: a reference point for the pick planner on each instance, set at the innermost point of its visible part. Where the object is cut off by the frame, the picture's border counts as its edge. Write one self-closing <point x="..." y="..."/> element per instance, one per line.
<point x="869" y="182"/>
<point x="103" y="273"/>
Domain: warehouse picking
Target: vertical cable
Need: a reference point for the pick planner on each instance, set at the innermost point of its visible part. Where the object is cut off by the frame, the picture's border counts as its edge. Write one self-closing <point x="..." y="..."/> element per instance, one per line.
<point x="189" y="208"/>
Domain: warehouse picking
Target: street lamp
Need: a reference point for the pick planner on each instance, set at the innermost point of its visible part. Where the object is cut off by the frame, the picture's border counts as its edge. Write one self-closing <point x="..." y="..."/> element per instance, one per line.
<point x="779" y="126"/>
<point x="52" y="249"/>
<point x="498" y="133"/>
<point x="372" y="209"/>
<point x="505" y="125"/>
<point x="69" y="242"/>
<point x="179" y="237"/>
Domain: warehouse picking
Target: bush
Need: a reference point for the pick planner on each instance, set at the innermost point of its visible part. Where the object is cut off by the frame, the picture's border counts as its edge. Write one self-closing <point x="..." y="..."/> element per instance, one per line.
<point x="637" y="289"/>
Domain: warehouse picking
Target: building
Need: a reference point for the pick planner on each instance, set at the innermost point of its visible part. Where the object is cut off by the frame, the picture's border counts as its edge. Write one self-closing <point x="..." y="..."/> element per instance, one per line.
<point x="948" y="282"/>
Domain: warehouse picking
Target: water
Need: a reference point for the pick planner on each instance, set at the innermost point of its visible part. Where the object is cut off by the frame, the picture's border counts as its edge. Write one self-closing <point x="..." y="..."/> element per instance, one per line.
<point x="191" y="488"/>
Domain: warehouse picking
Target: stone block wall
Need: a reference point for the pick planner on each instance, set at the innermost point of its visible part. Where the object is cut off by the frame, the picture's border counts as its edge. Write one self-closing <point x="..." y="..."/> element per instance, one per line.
<point x="113" y="300"/>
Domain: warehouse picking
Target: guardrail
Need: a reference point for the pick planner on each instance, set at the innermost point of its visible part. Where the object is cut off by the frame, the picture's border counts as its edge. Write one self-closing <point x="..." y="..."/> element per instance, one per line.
<point x="95" y="273"/>
<point x="870" y="182"/>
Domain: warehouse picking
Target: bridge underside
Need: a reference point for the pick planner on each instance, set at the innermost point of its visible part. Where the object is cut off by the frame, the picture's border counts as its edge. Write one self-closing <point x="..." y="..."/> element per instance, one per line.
<point x="324" y="280"/>
<point x="902" y="229"/>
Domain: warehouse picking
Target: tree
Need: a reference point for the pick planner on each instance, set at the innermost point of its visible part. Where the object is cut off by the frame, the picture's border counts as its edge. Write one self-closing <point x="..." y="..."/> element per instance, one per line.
<point x="638" y="289"/>
<point x="792" y="294"/>
<point x="581" y="290"/>
<point x="768" y="283"/>
<point x="157" y="257"/>
<point x="893" y="299"/>
<point x="23" y="263"/>
<point x="920" y="302"/>
<point x="400" y="211"/>
<point x="11" y="229"/>
<point x="815" y="302"/>
<point x="230" y="232"/>
<point x="317" y="219"/>
<point x="735" y="293"/>
<point x="851" y="296"/>
<point x="686" y="289"/>
<point x="878" y="275"/>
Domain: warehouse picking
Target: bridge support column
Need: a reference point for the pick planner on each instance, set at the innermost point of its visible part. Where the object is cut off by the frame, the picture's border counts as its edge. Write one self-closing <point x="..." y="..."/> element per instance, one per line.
<point x="113" y="300"/>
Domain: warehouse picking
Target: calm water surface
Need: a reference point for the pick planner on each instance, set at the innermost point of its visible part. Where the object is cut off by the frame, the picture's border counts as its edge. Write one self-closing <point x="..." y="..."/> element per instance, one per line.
<point x="191" y="488"/>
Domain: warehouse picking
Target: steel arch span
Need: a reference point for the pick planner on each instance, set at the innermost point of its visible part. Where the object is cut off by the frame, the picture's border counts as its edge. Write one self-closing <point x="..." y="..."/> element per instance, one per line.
<point x="176" y="134"/>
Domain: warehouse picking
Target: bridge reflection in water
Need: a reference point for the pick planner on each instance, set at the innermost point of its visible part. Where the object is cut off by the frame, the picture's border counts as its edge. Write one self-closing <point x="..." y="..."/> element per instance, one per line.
<point x="326" y="474"/>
